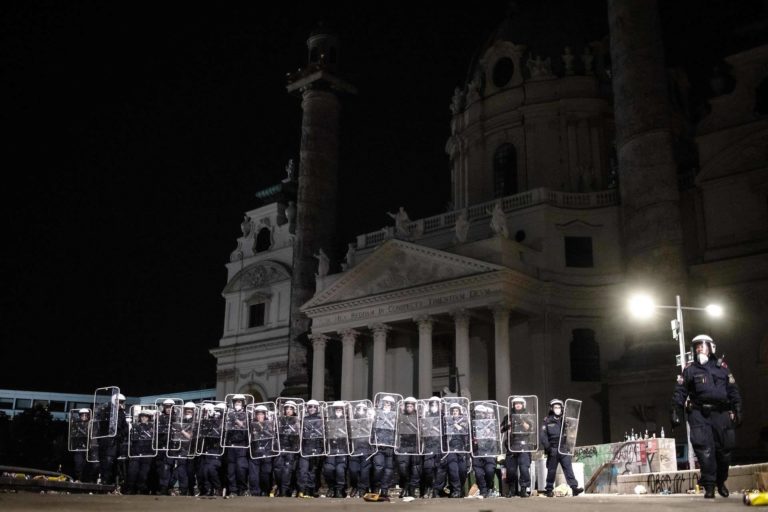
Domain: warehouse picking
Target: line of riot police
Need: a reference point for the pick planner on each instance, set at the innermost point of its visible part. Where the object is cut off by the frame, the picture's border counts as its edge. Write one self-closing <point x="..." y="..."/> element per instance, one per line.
<point x="283" y="448"/>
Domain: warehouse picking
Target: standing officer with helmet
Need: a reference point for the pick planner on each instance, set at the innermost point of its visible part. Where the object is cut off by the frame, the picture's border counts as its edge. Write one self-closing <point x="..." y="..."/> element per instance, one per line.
<point x="551" y="440"/>
<point x="518" y="462"/>
<point x="714" y="409"/>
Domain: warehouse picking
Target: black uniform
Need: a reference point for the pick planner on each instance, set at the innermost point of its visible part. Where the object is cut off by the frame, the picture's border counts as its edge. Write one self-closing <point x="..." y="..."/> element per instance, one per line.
<point x="518" y="462"/>
<point x="551" y="442"/>
<point x="141" y="455"/>
<point x="261" y="457"/>
<point x="713" y="396"/>
<point x="312" y="449"/>
<point x="408" y="466"/>
<point x="236" y="440"/>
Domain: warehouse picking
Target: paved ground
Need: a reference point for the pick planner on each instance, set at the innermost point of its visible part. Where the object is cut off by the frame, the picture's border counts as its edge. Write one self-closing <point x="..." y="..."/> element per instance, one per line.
<point x="27" y="501"/>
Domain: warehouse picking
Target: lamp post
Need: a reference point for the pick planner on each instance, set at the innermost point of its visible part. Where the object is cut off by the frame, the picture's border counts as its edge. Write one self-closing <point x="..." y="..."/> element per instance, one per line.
<point x="643" y="307"/>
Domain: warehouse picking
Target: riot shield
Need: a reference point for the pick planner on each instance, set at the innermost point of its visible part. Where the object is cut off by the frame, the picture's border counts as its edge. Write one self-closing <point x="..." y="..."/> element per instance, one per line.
<point x="361" y="427"/>
<point x="456" y="437"/>
<point x="92" y="455"/>
<point x="184" y="422"/>
<point x="210" y="429"/>
<point x="312" y="430"/>
<point x="236" y="425"/>
<point x="163" y="419"/>
<point x="570" y="427"/>
<point x="78" y="430"/>
<point x="105" y="412"/>
<point x="522" y="426"/>
<point x="262" y="426"/>
<point x="407" y="435"/>
<point x="142" y="431"/>
<point x="485" y="428"/>
<point x="337" y="428"/>
<point x="288" y="425"/>
<point x="385" y="419"/>
<point x="430" y="426"/>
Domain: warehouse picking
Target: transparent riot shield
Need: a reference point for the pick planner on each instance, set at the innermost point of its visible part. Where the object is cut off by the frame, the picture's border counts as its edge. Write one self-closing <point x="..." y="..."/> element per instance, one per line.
<point x="522" y="426"/>
<point x="456" y="436"/>
<point x="430" y="426"/>
<point x="288" y="425"/>
<point x="337" y="428"/>
<point x="163" y="419"/>
<point x="312" y="431"/>
<point x="184" y="423"/>
<point x="236" y="433"/>
<point x="142" y="431"/>
<point x="361" y="427"/>
<point x="210" y="429"/>
<point x="105" y="412"/>
<point x="92" y="455"/>
<point x="407" y="434"/>
<point x="78" y="430"/>
<point x="263" y="427"/>
<point x="485" y="428"/>
<point x="385" y="419"/>
<point x="570" y="427"/>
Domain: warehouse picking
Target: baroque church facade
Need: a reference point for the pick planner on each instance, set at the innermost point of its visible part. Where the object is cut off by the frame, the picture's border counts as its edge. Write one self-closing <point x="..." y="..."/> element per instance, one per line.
<point x="522" y="287"/>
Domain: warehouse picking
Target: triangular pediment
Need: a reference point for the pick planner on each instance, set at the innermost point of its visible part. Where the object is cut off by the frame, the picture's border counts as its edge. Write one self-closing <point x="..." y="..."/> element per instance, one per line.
<point x="398" y="265"/>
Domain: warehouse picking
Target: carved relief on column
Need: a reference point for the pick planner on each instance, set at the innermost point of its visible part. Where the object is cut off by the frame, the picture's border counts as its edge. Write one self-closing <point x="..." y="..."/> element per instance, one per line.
<point x="319" y="341"/>
<point x="348" y="339"/>
<point x="379" y="355"/>
<point x="461" y="355"/>
<point x="501" y="349"/>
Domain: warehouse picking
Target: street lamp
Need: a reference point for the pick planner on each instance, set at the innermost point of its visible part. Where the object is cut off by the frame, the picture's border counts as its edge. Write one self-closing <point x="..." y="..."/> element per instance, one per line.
<point x="642" y="306"/>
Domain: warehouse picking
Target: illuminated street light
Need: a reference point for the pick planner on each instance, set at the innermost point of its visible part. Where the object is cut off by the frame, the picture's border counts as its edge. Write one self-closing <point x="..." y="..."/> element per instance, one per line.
<point x="642" y="306"/>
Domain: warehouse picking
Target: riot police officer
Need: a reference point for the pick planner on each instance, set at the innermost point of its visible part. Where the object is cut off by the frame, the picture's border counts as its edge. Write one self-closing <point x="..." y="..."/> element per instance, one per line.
<point x="140" y="453"/>
<point x="260" y="462"/>
<point x="337" y="440"/>
<point x="551" y="442"/>
<point x="454" y="464"/>
<point x="236" y="440"/>
<point x="288" y="441"/>
<point x="183" y="429"/>
<point x="164" y="465"/>
<point x="484" y="465"/>
<point x="431" y="448"/>
<point x="360" y="461"/>
<point x="210" y="449"/>
<point x="518" y="462"/>
<point x="714" y="410"/>
<point x="408" y="466"/>
<point x="383" y="460"/>
<point x="109" y="447"/>
<point x="79" y="445"/>
<point x="311" y="449"/>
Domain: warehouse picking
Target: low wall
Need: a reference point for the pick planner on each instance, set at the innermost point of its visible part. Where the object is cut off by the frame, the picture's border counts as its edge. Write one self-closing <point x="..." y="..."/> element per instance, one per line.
<point x="679" y="482"/>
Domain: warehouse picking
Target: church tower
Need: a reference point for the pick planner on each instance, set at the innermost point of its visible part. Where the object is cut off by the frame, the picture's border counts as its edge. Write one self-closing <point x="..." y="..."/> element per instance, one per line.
<point x="320" y="88"/>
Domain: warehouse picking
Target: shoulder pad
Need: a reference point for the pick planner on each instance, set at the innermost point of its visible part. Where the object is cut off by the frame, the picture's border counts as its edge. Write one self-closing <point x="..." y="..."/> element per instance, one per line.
<point x="722" y="363"/>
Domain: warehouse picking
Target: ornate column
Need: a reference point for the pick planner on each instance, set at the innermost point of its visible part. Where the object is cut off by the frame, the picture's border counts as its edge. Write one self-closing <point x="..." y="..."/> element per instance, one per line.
<point x="501" y="351"/>
<point x="425" y="355"/>
<point x="348" y="338"/>
<point x="379" y="355"/>
<point x="461" y="321"/>
<point x="318" y="366"/>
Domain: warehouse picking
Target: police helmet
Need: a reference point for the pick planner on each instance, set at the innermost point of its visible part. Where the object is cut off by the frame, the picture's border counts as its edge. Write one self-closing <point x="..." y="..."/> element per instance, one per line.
<point x="518" y="400"/>
<point x="146" y="412"/>
<point x="313" y="403"/>
<point x="433" y="399"/>
<point x="554" y="402"/>
<point x="337" y="403"/>
<point x="120" y="397"/>
<point x="481" y="408"/>
<point x="409" y="400"/>
<point x="261" y="408"/>
<point x="189" y="405"/>
<point x="84" y="411"/>
<point x="208" y="408"/>
<point x="454" y="406"/>
<point x="387" y="398"/>
<point x="703" y="338"/>
<point x="220" y="405"/>
<point x="238" y="397"/>
<point x="168" y="401"/>
<point x="291" y="404"/>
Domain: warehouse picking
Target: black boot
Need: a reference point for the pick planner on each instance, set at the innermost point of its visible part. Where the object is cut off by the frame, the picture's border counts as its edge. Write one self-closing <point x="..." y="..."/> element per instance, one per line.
<point x="723" y="490"/>
<point x="577" y="490"/>
<point x="709" y="492"/>
<point x="550" y="493"/>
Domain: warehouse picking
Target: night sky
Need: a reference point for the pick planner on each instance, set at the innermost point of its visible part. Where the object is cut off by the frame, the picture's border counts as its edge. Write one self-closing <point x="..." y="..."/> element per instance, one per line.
<point x="137" y="134"/>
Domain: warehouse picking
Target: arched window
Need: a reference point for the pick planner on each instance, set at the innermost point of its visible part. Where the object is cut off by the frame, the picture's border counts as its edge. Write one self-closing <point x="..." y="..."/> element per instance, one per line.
<point x="505" y="171"/>
<point x="585" y="356"/>
<point x="263" y="240"/>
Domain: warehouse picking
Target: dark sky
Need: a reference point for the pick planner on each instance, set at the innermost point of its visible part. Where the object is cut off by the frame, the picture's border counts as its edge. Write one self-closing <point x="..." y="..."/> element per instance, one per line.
<point x="136" y="135"/>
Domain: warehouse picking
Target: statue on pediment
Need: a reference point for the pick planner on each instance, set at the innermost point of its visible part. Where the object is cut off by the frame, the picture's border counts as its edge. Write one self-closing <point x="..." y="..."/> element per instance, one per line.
<point x="290" y="171"/>
<point x="457" y="103"/>
<point x="539" y="68"/>
<point x="350" y="257"/>
<point x="498" y="221"/>
<point x="461" y="227"/>
<point x="401" y="222"/>
<point x="323" y="263"/>
<point x="245" y="226"/>
<point x="568" y="58"/>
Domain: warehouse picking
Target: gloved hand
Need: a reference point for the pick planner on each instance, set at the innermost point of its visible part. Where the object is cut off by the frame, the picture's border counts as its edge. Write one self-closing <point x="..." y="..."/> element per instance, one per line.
<point x="676" y="416"/>
<point x="737" y="416"/>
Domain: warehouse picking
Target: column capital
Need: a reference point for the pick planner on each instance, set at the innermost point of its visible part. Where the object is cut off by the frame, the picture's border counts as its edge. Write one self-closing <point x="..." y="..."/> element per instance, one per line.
<point x="425" y="323"/>
<point x="501" y="310"/>
<point x="379" y="328"/>
<point x="349" y="336"/>
<point x="460" y="316"/>
<point x="318" y="340"/>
